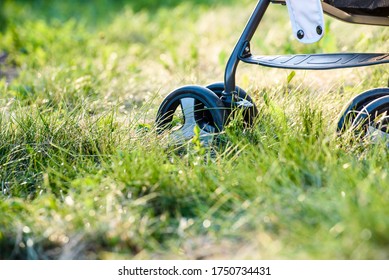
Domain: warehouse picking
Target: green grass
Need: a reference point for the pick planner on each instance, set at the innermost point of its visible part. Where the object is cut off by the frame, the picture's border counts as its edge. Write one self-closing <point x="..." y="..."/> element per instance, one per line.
<point x="83" y="175"/>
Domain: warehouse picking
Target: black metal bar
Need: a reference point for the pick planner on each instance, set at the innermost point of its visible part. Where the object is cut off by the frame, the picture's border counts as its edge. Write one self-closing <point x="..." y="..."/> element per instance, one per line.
<point x="243" y="42"/>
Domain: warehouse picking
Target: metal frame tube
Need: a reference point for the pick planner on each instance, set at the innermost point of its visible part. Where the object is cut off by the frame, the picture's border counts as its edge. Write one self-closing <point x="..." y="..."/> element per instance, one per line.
<point x="244" y="40"/>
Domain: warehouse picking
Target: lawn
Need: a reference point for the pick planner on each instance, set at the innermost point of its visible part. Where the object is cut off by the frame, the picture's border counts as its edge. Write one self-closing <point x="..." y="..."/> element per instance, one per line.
<point x="84" y="175"/>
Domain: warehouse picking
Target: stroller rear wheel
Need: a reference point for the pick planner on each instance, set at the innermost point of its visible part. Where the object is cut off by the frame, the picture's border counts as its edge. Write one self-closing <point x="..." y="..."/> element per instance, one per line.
<point x="250" y="114"/>
<point x="374" y="119"/>
<point x="188" y="107"/>
<point x="356" y="104"/>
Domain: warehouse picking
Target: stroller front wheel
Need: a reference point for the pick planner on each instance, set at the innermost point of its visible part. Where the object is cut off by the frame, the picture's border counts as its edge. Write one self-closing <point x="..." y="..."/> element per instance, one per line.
<point x="188" y="107"/>
<point x="250" y="114"/>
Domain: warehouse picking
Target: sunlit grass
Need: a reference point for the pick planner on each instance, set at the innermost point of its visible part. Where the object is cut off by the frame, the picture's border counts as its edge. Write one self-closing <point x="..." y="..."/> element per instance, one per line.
<point x="84" y="175"/>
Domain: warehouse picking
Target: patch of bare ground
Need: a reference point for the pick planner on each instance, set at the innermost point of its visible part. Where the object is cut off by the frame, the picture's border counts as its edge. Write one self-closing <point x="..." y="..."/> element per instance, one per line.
<point x="7" y="70"/>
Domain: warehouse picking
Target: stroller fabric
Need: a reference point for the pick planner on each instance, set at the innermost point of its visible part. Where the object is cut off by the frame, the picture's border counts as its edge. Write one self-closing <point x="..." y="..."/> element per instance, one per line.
<point x="364" y="7"/>
<point x="307" y="20"/>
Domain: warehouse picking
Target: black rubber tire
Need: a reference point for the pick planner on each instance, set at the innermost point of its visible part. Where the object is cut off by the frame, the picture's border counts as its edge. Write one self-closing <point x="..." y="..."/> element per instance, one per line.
<point x="356" y="104"/>
<point x="250" y="116"/>
<point x="367" y="116"/>
<point x="204" y="97"/>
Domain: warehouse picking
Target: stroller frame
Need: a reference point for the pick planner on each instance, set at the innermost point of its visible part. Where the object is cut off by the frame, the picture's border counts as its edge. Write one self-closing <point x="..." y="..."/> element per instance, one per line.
<point x="242" y="50"/>
<point x="210" y="108"/>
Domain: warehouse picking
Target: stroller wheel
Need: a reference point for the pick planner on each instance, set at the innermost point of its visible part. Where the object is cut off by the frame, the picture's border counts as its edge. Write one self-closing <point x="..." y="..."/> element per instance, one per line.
<point x="374" y="119"/>
<point x="356" y="104"/>
<point x="188" y="107"/>
<point x="248" y="116"/>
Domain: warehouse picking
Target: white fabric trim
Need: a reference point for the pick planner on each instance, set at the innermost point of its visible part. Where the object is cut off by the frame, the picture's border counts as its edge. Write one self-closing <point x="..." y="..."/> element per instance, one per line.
<point x="307" y="18"/>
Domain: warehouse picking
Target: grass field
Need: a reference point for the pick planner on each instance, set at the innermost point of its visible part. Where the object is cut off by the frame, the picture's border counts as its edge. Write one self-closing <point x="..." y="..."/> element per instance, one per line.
<point x="84" y="176"/>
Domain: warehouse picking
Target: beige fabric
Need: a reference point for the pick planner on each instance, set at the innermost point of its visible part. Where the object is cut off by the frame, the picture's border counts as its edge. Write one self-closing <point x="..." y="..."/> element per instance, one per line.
<point x="307" y="20"/>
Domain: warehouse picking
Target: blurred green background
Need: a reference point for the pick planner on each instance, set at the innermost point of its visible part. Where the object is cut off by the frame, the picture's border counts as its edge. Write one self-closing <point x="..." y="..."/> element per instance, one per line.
<point x="93" y="11"/>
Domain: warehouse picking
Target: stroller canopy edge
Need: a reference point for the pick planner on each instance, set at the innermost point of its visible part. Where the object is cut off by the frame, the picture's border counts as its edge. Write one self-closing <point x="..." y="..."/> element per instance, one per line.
<point x="363" y="7"/>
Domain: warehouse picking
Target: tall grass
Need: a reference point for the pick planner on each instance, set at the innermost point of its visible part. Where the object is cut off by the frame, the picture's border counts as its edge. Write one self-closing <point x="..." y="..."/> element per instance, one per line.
<point x="84" y="176"/>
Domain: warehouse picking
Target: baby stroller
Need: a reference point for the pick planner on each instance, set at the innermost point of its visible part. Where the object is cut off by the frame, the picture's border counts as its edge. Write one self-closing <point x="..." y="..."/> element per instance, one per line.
<point x="210" y="108"/>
